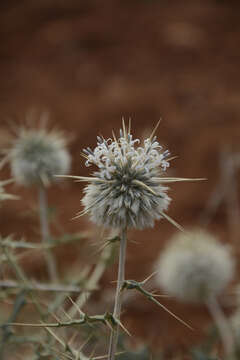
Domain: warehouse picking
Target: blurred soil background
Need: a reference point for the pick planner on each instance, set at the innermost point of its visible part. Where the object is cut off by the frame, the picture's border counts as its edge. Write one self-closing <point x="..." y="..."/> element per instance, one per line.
<point x="88" y="63"/>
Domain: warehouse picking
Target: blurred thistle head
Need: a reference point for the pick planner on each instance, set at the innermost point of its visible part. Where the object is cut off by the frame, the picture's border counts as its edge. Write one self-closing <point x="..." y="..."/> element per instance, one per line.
<point x="194" y="266"/>
<point x="37" y="155"/>
<point x="126" y="189"/>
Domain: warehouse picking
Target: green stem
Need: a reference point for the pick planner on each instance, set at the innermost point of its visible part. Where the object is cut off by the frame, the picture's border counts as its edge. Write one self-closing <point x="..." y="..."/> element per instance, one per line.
<point x="118" y="296"/>
<point x="50" y="259"/>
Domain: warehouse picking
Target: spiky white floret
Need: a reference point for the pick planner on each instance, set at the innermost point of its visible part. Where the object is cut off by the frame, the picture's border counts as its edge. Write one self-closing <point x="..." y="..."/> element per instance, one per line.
<point x="109" y="155"/>
<point x="37" y="155"/>
<point x="194" y="266"/>
<point x="126" y="190"/>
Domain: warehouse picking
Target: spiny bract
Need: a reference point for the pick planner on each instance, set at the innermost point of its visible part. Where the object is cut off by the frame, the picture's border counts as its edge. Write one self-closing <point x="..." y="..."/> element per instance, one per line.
<point x="37" y="155"/>
<point x="194" y="266"/>
<point x="126" y="190"/>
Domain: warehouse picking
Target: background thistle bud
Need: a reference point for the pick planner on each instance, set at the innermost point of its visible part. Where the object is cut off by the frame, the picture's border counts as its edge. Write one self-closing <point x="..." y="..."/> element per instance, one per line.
<point x="126" y="190"/>
<point x="37" y="155"/>
<point x="194" y="266"/>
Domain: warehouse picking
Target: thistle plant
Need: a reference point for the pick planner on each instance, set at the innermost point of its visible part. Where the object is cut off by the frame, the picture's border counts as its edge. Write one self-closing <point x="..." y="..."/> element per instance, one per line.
<point x="196" y="268"/>
<point x="126" y="191"/>
<point x="35" y="157"/>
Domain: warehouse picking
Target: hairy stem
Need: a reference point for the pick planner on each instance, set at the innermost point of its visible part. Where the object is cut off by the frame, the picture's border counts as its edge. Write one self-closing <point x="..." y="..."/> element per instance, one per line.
<point x="222" y="325"/>
<point x="49" y="257"/>
<point x="118" y="296"/>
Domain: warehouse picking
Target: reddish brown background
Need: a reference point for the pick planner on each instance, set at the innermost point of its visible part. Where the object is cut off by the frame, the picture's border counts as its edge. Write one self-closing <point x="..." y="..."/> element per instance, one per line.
<point x="91" y="62"/>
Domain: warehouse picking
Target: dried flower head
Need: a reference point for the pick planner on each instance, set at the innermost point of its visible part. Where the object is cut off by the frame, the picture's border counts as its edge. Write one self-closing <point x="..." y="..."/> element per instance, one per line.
<point x="37" y="155"/>
<point x="127" y="190"/>
<point x="194" y="266"/>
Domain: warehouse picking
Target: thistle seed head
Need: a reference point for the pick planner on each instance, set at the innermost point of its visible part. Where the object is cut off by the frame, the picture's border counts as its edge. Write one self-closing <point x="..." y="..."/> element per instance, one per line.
<point x="194" y="266"/>
<point x="126" y="190"/>
<point x="37" y="155"/>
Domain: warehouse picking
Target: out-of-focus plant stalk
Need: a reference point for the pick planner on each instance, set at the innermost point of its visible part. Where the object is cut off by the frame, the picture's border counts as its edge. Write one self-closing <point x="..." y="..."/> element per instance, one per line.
<point x="222" y="324"/>
<point x="118" y="296"/>
<point x="43" y="214"/>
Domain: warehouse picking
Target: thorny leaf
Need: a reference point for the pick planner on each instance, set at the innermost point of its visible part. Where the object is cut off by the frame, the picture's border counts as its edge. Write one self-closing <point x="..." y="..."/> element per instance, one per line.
<point x="133" y="284"/>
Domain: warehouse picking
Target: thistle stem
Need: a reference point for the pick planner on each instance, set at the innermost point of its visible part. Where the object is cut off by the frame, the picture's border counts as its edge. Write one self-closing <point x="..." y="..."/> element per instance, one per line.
<point x="49" y="257"/>
<point x="222" y="324"/>
<point x="118" y="296"/>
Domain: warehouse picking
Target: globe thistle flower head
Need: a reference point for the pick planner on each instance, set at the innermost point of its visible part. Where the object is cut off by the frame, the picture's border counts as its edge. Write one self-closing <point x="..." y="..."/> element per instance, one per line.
<point x="126" y="190"/>
<point x="194" y="266"/>
<point x="37" y="155"/>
